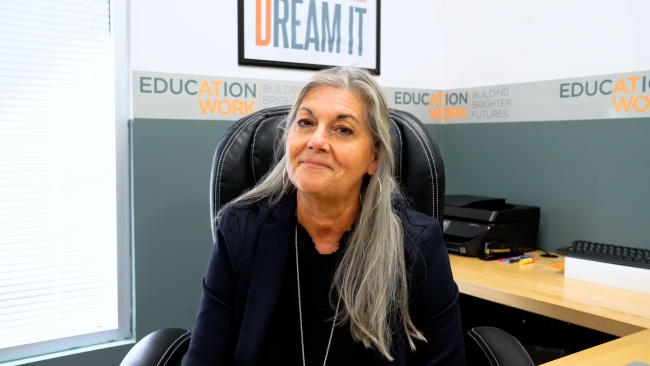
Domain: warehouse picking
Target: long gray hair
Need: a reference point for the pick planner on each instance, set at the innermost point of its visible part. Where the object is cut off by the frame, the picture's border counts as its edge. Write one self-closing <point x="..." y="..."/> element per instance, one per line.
<point x="374" y="288"/>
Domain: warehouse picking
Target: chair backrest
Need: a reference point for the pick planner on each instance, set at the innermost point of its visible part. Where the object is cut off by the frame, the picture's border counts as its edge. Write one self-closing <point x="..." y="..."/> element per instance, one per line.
<point x="245" y="154"/>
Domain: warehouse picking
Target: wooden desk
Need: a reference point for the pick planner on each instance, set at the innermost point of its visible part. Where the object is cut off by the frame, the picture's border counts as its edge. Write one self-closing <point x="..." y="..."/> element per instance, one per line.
<point x="542" y="290"/>
<point x="635" y="347"/>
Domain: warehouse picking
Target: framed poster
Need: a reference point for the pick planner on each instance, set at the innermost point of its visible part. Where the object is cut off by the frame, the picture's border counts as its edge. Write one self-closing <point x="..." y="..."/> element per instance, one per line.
<point x="309" y="34"/>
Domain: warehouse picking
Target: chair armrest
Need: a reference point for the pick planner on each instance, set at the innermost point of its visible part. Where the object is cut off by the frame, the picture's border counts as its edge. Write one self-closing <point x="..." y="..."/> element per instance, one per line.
<point x="164" y="347"/>
<point x="499" y="347"/>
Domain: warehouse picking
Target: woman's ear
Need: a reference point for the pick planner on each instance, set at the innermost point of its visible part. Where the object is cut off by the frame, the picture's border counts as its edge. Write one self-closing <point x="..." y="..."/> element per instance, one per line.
<point x="373" y="164"/>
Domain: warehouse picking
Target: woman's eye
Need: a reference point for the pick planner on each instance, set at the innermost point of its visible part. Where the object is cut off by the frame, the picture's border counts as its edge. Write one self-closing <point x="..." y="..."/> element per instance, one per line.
<point x="345" y="131"/>
<point x="304" y="123"/>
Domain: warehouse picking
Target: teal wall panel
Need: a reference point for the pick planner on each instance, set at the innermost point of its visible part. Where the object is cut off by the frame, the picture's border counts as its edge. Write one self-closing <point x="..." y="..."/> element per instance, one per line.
<point x="111" y="356"/>
<point x="436" y="132"/>
<point x="171" y="162"/>
<point x="590" y="178"/>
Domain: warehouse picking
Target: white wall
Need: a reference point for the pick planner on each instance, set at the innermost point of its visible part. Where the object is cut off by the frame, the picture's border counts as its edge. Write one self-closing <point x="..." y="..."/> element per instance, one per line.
<point x="429" y="44"/>
<point x="200" y="37"/>
<point x="510" y="41"/>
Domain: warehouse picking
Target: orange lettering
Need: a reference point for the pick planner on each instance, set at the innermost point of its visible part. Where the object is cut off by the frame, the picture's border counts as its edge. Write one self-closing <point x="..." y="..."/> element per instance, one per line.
<point x="248" y="108"/>
<point x="620" y="85"/>
<point x="205" y="88"/>
<point x="454" y="113"/>
<point x="216" y="87"/>
<point x="237" y="105"/>
<point x="227" y="105"/>
<point x="443" y="113"/>
<point x="462" y="112"/>
<point x="634" y="80"/>
<point x="207" y="105"/>
<point x="437" y="98"/>
<point x="435" y="113"/>
<point x="623" y="103"/>
<point x="259" y="41"/>
<point x="636" y="103"/>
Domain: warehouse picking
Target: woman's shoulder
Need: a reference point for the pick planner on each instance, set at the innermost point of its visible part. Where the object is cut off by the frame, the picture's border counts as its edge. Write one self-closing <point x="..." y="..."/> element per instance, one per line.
<point x="422" y="233"/>
<point x="259" y="211"/>
<point x="243" y="211"/>
<point x="246" y="206"/>
<point x="415" y="220"/>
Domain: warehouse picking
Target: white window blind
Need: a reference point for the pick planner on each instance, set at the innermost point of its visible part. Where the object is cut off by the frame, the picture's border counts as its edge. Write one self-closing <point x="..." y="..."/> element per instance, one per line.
<point x="58" y="261"/>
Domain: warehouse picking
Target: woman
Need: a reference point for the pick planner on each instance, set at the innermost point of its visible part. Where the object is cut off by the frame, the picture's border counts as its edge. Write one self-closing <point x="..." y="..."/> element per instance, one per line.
<point x="321" y="262"/>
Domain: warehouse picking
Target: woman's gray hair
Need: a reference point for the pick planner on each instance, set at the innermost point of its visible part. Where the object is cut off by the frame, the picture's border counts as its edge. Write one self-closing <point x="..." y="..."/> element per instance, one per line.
<point x="374" y="288"/>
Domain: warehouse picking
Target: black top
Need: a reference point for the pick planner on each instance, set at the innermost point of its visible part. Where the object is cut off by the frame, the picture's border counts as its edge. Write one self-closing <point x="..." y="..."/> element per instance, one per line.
<point x="246" y="274"/>
<point x="282" y="344"/>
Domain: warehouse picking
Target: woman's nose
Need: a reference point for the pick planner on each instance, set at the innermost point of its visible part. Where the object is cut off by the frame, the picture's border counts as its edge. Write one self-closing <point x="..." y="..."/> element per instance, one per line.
<point x="319" y="140"/>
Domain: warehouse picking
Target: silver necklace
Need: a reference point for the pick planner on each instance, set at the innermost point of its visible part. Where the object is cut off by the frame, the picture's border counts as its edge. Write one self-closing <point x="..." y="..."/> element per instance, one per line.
<point x="336" y="312"/>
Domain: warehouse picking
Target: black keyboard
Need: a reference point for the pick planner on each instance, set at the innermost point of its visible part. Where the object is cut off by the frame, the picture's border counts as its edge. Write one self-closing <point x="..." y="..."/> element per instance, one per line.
<point x="608" y="253"/>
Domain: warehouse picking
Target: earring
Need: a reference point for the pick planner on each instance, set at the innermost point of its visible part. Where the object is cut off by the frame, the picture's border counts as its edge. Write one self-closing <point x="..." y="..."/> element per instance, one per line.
<point x="379" y="200"/>
<point x="377" y="204"/>
<point x="284" y="185"/>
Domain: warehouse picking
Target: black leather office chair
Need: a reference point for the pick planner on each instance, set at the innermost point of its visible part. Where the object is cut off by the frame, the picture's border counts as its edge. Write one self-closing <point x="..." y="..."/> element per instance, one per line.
<point x="164" y="347"/>
<point x="495" y="347"/>
<point x="245" y="154"/>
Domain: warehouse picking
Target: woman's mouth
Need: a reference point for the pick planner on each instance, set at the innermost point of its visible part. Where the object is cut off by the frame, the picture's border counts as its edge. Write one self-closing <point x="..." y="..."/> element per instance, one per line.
<point x="315" y="164"/>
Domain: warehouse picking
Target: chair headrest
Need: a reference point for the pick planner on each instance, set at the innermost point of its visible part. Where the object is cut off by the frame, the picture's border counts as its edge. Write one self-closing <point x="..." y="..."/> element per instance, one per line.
<point x="245" y="154"/>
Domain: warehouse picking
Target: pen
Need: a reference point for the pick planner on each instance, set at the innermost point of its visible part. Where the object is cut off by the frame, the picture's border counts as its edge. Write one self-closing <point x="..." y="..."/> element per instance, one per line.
<point x="527" y="261"/>
<point x="514" y="259"/>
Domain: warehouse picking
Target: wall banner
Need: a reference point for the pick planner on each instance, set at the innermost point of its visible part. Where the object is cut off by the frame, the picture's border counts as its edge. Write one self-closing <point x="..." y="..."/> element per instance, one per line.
<point x="624" y="95"/>
<point x="309" y="35"/>
<point x="179" y="96"/>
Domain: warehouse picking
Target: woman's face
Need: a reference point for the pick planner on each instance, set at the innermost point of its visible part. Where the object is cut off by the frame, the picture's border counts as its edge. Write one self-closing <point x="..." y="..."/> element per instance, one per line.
<point x="330" y="146"/>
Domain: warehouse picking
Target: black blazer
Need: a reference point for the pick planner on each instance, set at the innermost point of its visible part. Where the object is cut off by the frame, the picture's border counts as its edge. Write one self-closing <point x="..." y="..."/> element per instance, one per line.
<point x="245" y="274"/>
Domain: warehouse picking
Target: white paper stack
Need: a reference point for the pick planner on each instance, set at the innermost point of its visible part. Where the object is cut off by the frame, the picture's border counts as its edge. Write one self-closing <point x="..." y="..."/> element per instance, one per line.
<point x="614" y="275"/>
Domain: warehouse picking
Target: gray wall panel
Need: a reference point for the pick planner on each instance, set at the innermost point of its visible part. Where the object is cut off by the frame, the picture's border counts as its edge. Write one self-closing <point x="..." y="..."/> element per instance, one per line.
<point x="590" y="178"/>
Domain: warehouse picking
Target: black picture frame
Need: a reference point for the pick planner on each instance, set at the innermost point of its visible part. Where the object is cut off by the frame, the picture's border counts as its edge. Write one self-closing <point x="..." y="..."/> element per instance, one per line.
<point x="243" y="60"/>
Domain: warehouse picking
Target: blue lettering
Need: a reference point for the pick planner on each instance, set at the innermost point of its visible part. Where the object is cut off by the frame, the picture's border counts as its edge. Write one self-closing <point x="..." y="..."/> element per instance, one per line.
<point x="142" y="84"/>
<point x="564" y="90"/>
<point x="155" y="85"/>
<point x="398" y="97"/>
<point x="280" y="22"/>
<point x="234" y="93"/>
<point x="361" y="11"/>
<point x="335" y="31"/>
<point x="311" y="22"/>
<point x="253" y="91"/>
<point x="350" y="32"/>
<point x="294" y="23"/>
<point x="601" y="87"/>
<point x="187" y="90"/>
<point x="171" y="86"/>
